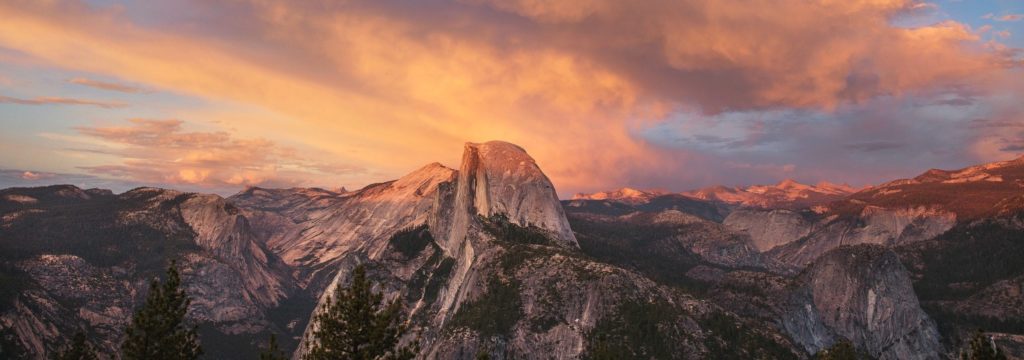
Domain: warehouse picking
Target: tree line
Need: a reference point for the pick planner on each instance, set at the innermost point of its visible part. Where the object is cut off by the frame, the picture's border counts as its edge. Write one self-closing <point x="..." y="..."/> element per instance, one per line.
<point x="354" y="323"/>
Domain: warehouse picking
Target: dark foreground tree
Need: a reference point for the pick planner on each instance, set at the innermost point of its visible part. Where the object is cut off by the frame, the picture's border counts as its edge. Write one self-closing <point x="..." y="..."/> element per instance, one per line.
<point x="272" y="352"/>
<point x="982" y="348"/>
<point x="79" y="349"/>
<point x="354" y="324"/>
<point x="10" y="347"/>
<point x="158" y="330"/>
<point x="842" y="350"/>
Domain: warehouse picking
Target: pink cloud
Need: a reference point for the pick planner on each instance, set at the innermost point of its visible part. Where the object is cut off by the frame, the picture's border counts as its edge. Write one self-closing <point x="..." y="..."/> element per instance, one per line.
<point x="50" y="100"/>
<point x="1010" y="17"/>
<point x="161" y="151"/>
<point x="412" y="82"/>
<point x="105" y="85"/>
<point x="28" y="175"/>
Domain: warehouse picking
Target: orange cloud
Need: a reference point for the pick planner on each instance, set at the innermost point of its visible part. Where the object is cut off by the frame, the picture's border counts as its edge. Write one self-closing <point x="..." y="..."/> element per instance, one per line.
<point x="49" y="100"/>
<point x="104" y="85"/>
<point x="391" y="86"/>
<point x="160" y="151"/>
<point x="31" y="176"/>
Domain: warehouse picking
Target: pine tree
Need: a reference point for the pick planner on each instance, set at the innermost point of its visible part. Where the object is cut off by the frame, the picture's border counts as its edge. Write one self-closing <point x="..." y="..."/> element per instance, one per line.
<point x="158" y="330"/>
<point x="483" y="355"/>
<point x="78" y="350"/>
<point x="842" y="350"/>
<point x="272" y="352"/>
<point x="354" y="324"/>
<point x="982" y="348"/>
<point x="10" y="347"/>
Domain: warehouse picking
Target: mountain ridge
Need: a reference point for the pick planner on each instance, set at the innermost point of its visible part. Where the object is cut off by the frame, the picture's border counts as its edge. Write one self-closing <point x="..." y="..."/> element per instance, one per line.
<point x="455" y="244"/>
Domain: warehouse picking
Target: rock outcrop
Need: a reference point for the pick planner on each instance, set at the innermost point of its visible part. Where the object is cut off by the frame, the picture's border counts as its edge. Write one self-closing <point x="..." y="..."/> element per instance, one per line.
<point x="84" y="260"/>
<point x="312" y="229"/>
<point x="874" y="225"/>
<point x="862" y="294"/>
<point x="770" y="228"/>
<point x="498" y="178"/>
<point x="497" y="182"/>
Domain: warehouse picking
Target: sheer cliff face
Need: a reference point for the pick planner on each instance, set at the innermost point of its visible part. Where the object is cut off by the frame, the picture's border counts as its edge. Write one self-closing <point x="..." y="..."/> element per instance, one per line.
<point x="497" y="185"/>
<point x="862" y="294"/>
<point x="500" y="178"/>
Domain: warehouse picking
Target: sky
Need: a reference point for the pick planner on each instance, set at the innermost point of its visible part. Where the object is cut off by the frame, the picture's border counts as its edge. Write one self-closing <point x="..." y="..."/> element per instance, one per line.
<point x="215" y="96"/>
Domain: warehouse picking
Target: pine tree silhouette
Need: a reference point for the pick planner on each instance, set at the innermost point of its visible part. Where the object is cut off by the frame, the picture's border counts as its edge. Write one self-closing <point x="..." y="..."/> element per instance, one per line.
<point x="158" y="330"/>
<point x="982" y="348"/>
<point x="354" y="325"/>
<point x="78" y="350"/>
<point x="842" y="350"/>
<point x="272" y="352"/>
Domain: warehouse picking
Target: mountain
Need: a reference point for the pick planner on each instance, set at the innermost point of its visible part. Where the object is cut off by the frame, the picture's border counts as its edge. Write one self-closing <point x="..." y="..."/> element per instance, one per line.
<point x="787" y="194"/>
<point x="486" y="259"/>
<point x="958" y="232"/>
<point x="81" y="259"/>
<point x="715" y="202"/>
<point x="863" y="294"/>
<point x="496" y="268"/>
<point x="312" y="228"/>
<point x="652" y="202"/>
<point x="987" y="190"/>
<point x="895" y="213"/>
<point x="626" y="195"/>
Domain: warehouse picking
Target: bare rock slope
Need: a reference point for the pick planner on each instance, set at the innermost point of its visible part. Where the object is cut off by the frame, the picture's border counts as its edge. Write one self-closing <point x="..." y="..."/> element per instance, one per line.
<point x="81" y="259"/>
<point x="864" y="295"/>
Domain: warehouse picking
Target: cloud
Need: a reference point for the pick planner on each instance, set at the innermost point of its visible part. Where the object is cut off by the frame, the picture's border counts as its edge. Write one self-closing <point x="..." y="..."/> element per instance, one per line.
<point x="112" y="86"/>
<point x="1010" y="17"/>
<point x="987" y="123"/>
<point x="1013" y="148"/>
<point x="161" y="151"/>
<point x="32" y="176"/>
<point x="875" y="146"/>
<point x="388" y="86"/>
<point x="46" y="100"/>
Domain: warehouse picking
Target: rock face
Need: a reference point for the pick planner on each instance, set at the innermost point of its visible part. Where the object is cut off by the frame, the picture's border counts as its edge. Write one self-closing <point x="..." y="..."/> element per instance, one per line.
<point x="84" y="259"/>
<point x="500" y="178"/>
<point x="222" y="231"/>
<point x="770" y="228"/>
<point x="862" y="294"/>
<point x="312" y="229"/>
<point x="874" y="225"/>
<point x="497" y="182"/>
<point x="670" y="242"/>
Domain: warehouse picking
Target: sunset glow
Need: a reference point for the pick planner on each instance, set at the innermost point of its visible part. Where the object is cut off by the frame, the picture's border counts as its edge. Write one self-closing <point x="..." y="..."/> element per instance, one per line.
<point x="218" y="95"/>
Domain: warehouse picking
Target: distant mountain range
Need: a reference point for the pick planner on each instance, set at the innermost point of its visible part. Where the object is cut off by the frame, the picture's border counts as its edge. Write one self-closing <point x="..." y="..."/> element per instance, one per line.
<point x="786" y="194"/>
<point x="487" y="259"/>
